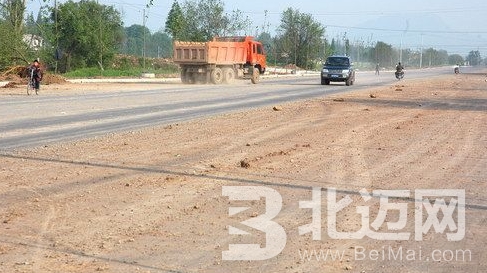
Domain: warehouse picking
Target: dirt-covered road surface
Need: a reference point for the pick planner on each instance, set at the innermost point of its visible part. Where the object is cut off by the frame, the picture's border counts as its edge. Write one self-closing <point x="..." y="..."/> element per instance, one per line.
<point x="165" y="199"/>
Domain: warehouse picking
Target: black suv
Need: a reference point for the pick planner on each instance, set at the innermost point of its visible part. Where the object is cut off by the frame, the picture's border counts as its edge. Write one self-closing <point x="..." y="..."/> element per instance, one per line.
<point x="338" y="69"/>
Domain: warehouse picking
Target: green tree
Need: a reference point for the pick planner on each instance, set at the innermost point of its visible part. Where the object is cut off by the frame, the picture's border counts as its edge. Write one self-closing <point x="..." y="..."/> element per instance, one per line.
<point x="333" y="47"/>
<point x="442" y="57"/>
<point x="88" y="33"/>
<point x="455" y="59"/>
<point x="45" y="27"/>
<point x="202" y="20"/>
<point x="433" y="57"/>
<point x="474" y="58"/>
<point x="134" y="39"/>
<point x="13" y="13"/>
<point x="156" y="45"/>
<point x="12" y="49"/>
<point x="266" y="39"/>
<point x="175" y="21"/>
<point x="160" y="45"/>
<point x="30" y="25"/>
<point x="269" y="47"/>
<point x="347" y="47"/>
<point x="384" y="54"/>
<point x="300" y="36"/>
<point x="6" y="46"/>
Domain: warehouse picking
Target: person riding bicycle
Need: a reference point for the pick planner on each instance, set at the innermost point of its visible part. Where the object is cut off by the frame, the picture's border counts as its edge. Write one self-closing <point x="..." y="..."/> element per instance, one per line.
<point x="35" y="69"/>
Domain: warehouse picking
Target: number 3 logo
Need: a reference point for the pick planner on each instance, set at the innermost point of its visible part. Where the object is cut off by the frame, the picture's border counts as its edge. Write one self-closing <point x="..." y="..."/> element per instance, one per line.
<point x="275" y="233"/>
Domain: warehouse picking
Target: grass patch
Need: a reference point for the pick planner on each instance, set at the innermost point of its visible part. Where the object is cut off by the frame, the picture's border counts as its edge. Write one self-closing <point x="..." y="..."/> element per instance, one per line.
<point x="118" y="73"/>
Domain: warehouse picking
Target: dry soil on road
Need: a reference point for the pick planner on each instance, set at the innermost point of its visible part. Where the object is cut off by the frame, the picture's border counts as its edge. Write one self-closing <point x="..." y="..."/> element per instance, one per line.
<point x="151" y="200"/>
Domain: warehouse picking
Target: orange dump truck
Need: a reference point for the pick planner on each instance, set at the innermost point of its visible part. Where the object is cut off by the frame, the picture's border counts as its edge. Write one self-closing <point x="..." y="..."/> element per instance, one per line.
<point x="221" y="60"/>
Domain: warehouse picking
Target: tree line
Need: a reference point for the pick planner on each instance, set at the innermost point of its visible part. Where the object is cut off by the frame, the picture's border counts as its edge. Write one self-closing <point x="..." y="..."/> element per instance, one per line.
<point x="88" y="34"/>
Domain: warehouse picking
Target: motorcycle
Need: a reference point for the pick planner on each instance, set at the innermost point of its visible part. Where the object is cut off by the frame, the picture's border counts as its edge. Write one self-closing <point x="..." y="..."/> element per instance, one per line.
<point x="399" y="74"/>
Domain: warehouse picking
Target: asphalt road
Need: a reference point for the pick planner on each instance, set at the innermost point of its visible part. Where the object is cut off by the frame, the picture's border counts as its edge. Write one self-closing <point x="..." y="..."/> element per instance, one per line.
<point x="45" y="119"/>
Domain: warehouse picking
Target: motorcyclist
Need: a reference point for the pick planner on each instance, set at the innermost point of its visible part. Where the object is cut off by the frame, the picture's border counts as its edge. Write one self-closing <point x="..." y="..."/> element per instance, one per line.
<point x="456" y="69"/>
<point x="399" y="67"/>
<point x="399" y="70"/>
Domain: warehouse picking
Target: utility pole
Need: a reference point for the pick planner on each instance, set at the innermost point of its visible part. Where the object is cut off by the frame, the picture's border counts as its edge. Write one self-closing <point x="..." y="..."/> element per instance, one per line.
<point x="57" y="37"/>
<point x="324" y="49"/>
<point x="421" y="53"/>
<point x="400" y="51"/>
<point x="295" y="51"/>
<point x="402" y="36"/>
<point x="265" y="22"/>
<point x="143" y="46"/>
<point x="101" y="37"/>
<point x="295" y="33"/>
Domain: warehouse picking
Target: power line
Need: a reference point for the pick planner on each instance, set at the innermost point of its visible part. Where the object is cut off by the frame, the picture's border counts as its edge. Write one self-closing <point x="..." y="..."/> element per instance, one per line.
<point x="391" y="12"/>
<point x="413" y="31"/>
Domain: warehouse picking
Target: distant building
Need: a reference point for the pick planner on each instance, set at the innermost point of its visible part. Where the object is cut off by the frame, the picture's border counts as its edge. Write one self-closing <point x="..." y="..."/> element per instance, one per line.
<point x="34" y="42"/>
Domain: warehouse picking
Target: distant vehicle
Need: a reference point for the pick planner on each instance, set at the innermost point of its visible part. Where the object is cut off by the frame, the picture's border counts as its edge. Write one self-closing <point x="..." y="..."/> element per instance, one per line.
<point x="456" y="69"/>
<point x="338" y="69"/>
<point x="399" y="74"/>
<point x="399" y="71"/>
<point x="221" y="60"/>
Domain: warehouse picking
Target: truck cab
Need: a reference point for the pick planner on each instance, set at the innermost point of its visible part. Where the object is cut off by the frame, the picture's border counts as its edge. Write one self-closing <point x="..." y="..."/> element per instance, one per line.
<point x="256" y="56"/>
<point x="255" y="50"/>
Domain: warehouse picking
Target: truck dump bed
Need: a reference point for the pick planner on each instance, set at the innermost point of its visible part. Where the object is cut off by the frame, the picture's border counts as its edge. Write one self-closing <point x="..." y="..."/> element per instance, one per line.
<point x="226" y="52"/>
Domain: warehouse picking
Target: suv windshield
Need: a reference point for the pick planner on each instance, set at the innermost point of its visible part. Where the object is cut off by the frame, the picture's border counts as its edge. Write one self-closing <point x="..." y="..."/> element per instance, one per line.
<point x="337" y="62"/>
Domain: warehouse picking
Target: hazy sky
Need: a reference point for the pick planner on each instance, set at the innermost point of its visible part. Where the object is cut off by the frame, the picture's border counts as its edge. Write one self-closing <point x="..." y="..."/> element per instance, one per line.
<point x="465" y="22"/>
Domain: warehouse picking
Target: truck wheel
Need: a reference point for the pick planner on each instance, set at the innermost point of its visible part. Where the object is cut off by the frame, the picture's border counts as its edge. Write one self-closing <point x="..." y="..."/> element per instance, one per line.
<point x="255" y="76"/>
<point x="228" y="75"/>
<point x="217" y="76"/>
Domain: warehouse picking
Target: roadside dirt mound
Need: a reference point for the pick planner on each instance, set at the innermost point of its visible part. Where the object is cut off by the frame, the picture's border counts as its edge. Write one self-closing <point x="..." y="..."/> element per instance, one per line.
<point x="9" y="85"/>
<point x="18" y="77"/>
<point x="11" y="78"/>
<point x="13" y="75"/>
<point x="53" y="79"/>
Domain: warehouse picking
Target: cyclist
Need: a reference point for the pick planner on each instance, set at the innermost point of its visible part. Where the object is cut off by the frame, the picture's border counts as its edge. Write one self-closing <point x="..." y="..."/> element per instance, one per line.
<point x="35" y="68"/>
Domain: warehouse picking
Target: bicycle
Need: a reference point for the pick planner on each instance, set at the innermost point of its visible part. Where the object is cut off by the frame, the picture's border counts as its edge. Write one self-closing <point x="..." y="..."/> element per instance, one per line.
<point x="31" y="83"/>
